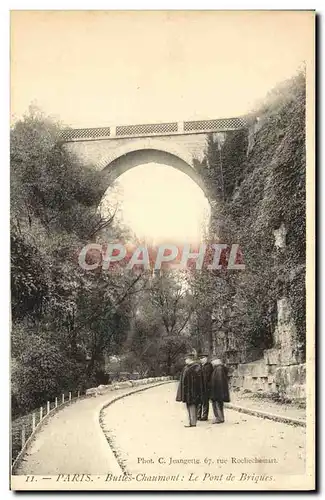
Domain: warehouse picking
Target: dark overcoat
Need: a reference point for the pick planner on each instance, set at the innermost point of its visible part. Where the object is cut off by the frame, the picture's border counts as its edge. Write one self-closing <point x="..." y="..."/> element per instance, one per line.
<point x="219" y="389"/>
<point x="207" y="370"/>
<point x="190" y="387"/>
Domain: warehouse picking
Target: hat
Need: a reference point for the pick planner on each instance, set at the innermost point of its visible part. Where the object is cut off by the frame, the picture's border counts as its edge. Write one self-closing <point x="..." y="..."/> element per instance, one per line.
<point x="191" y="354"/>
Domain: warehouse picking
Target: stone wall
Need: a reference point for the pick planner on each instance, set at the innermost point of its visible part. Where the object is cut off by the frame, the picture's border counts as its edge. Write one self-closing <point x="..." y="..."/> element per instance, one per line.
<point x="291" y="381"/>
<point x="265" y="375"/>
<point x="115" y="386"/>
<point x="281" y="369"/>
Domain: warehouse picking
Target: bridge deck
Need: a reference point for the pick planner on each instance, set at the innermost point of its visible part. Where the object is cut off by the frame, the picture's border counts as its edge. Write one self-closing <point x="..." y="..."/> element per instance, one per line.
<point x="156" y="129"/>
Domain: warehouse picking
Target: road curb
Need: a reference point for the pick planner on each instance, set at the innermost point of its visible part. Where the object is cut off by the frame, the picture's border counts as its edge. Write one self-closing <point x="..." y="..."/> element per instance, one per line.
<point x="269" y="416"/>
<point x="114" y="400"/>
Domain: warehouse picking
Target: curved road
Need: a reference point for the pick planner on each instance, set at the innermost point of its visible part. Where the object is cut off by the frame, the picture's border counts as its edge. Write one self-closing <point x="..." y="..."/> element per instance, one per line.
<point x="72" y="441"/>
<point x="147" y="428"/>
<point x="147" y="431"/>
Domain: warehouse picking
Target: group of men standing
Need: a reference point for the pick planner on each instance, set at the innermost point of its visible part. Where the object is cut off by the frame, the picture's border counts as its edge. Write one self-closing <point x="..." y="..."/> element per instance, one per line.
<point x="200" y="382"/>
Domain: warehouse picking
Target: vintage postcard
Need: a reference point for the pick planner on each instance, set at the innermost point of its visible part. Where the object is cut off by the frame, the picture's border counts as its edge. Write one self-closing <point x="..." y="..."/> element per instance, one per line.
<point x="162" y="250"/>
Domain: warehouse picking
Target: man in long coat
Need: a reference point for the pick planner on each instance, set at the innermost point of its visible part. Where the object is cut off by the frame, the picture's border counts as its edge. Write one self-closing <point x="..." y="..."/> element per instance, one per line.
<point x="219" y="390"/>
<point x="203" y="408"/>
<point x="190" y="388"/>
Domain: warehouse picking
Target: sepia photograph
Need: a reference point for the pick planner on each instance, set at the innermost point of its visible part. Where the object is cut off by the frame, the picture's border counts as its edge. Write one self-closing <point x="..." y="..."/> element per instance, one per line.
<point x="162" y="208"/>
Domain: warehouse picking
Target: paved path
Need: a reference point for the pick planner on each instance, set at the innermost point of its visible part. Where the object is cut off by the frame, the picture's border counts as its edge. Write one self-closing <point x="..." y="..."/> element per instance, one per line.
<point x="149" y="425"/>
<point x="249" y="400"/>
<point x="72" y="441"/>
<point x="148" y="428"/>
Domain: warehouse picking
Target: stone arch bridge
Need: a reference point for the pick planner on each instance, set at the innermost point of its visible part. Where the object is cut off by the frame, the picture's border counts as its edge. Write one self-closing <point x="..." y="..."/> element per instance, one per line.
<point x="114" y="150"/>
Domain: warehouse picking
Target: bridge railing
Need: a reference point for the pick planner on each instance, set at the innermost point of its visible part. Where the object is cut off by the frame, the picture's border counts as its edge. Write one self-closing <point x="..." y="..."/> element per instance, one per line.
<point x="155" y="129"/>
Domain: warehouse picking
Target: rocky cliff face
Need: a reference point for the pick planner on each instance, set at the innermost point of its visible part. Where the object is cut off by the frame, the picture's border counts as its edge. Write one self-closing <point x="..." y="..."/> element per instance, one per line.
<point x="264" y="213"/>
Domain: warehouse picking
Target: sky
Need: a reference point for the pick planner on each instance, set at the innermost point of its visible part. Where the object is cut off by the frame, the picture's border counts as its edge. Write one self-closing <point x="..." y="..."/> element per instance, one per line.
<point x="140" y="196"/>
<point x="101" y="68"/>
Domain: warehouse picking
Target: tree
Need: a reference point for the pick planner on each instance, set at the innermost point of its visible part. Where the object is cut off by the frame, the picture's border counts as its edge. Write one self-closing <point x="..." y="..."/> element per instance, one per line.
<point x="58" y="315"/>
<point x="171" y="295"/>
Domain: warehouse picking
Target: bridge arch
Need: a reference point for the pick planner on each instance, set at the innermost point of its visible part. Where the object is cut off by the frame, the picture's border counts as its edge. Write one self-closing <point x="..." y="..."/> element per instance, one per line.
<point x="113" y="168"/>
<point x="164" y="144"/>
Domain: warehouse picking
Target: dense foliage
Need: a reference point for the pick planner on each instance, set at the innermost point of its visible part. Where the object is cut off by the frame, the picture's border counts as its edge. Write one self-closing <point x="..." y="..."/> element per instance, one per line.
<point x="258" y="189"/>
<point x="66" y="322"/>
<point x="57" y="337"/>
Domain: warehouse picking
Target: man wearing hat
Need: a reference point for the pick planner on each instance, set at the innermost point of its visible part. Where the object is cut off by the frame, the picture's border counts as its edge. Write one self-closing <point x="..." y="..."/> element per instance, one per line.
<point x="203" y="408"/>
<point x="219" y="390"/>
<point x="190" y="388"/>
